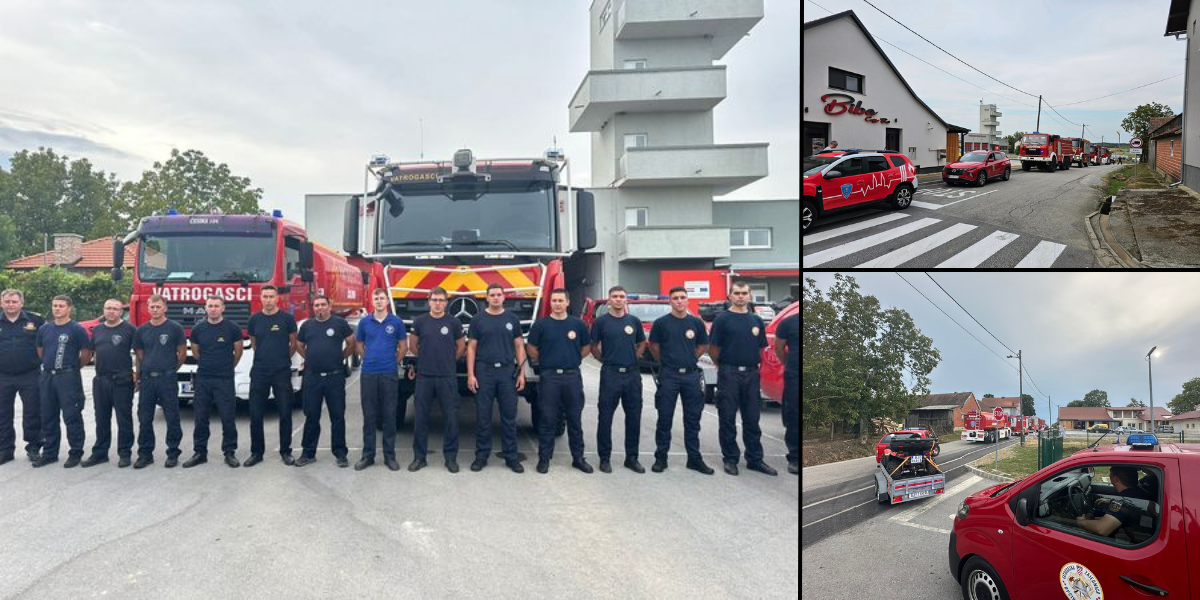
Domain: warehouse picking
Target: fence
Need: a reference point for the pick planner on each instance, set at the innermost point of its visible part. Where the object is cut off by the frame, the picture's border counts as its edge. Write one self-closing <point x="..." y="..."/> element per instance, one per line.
<point x="1050" y="447"/>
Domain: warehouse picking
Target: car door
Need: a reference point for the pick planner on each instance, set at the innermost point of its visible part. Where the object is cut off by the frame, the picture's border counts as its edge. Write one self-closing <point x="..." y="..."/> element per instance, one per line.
<point x="847" y="188"/>
<point x="882" y="177"/>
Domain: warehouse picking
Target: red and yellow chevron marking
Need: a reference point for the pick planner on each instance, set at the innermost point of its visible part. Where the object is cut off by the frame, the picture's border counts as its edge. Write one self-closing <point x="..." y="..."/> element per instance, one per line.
<point x="472" y="280"/>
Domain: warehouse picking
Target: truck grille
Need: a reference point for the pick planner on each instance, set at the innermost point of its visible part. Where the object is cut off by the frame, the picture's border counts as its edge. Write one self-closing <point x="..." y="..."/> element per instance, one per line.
<point x="187" y="314"/>
<point x="465" y="307"/>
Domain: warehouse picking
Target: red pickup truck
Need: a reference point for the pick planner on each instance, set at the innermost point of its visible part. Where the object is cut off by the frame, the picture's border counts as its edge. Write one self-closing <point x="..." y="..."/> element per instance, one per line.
<point x="1111" y="521"/>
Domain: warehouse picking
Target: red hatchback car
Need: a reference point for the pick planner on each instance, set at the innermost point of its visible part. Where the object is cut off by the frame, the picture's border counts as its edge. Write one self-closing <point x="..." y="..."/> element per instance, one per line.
<point x="881" y="447"/>
<point x="850" y="179"/>
<point x="977" y="168"/>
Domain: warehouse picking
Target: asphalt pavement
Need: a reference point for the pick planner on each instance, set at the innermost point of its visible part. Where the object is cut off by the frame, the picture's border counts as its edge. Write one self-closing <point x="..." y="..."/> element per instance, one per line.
<point x="321" y="531"/>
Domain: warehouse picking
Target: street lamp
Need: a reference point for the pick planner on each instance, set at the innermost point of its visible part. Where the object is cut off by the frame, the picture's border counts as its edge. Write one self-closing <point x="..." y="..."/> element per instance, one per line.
<point x="1150" y="367"/>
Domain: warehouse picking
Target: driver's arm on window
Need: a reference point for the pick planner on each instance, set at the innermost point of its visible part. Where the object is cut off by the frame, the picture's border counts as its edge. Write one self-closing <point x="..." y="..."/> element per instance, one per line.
<point x="1104" y="526"/>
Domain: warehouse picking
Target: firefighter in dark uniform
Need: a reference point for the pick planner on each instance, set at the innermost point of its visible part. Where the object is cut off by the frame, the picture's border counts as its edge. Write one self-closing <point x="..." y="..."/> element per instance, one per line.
<point x="382" y="342"/>
<point x="437" y="342"/>
<point x="161" y="347"/>
<point x="325" y="342"/>
<point x="64" y="348"/>
<point x="735" y="344"/>
<point x="677" y="340"/>
<point x="559" y="343"/>
<point x="19" y="374"/>
<point x="217" y="346"/>
<point x="273" y="337"/>
<point x="617" y="341"/>
<point x="787" y="348"/>
<point x="495" y="346"/>
<point x="112" y="387"/>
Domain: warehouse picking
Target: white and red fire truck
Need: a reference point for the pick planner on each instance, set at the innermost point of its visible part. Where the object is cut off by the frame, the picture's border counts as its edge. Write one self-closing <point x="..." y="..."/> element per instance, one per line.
<point x="984" y="427"/>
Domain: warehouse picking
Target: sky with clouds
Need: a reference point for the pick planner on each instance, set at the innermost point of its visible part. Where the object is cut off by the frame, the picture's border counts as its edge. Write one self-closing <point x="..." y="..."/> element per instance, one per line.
<point x="1076" y="331"/>
<point x="297" y="95"/>
<point x="1103" y="47"/>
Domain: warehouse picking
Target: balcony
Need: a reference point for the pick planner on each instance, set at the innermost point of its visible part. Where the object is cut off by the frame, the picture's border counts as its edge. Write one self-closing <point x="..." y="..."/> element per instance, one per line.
<point x="724" y="21"/>
<point x="605" y="93"/>
<point x="678" y="242"/>
<point x="725" y="167"/>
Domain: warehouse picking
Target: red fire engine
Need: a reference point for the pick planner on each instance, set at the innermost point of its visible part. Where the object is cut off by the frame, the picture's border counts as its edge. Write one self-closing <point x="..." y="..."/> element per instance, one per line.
<point x="983" y="427"/>
<point x="1047" y="151"/>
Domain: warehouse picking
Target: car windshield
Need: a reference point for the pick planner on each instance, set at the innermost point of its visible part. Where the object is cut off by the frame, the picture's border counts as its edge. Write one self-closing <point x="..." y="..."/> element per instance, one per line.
<point x="649" y="312"/>
<point x="207" y="257"/>
<point x="974" y="157"/>
<point x="1033" y="139"/>
<point x="516" y="216"/>
<point x="814" y="164"/>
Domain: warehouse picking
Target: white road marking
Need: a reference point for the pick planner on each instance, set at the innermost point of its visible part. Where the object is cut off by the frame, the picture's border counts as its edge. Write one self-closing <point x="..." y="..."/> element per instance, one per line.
<point x="1042" y="257"/>
<point x="824" y="256"/>
<point x="832" y="233"/>
<point x="905" y="517"/>
<point x="900" y="256"/>
<point x="979" y="251"/>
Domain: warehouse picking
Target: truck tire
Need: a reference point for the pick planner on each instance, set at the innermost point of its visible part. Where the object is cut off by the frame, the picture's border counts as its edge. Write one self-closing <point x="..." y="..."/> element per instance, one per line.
<point x="710" y="394"/>
<point x="980" y="580"/>
<point x="1026" y="166"/>
<point x="1066" y="165"/>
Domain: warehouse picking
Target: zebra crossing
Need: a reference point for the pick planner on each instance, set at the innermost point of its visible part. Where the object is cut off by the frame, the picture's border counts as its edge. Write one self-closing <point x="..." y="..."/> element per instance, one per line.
<point x="905" y="240"/>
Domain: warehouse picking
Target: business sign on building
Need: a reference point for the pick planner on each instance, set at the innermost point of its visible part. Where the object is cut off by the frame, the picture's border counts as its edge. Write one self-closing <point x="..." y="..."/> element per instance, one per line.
<point x="697" y="289"/>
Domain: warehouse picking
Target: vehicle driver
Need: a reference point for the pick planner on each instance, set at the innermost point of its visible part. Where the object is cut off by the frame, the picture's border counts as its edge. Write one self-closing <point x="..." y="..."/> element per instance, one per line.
<point x="1111" y="513"/>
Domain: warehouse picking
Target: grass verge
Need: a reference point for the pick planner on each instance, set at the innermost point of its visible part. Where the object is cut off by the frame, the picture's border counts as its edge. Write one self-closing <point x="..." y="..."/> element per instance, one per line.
<point x="1122" y="177"/>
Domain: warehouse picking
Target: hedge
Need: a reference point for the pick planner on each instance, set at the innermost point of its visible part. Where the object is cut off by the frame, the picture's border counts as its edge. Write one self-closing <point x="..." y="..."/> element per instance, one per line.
<point x="88" y="292"/>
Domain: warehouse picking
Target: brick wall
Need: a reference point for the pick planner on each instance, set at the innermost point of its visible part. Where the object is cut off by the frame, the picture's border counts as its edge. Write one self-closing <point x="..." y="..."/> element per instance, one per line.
<point x="1167" y="158"/>
<point x="968" y="406"/>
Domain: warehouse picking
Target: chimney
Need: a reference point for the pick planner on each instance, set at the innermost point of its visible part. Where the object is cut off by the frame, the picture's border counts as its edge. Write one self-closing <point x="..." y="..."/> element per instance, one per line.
<point x="68" y="248"/>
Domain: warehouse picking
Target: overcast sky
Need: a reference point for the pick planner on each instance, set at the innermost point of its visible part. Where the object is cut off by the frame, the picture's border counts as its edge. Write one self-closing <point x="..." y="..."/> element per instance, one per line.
<point x="1099" y="47"/>
<point x="297" y="95"/>
<point x="1076" y="331"/>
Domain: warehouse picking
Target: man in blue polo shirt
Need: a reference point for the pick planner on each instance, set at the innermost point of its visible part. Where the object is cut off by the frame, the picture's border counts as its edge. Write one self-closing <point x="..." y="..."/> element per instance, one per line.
<point x="437" y="341"/>
<point x="559" y="343"/>
<point x="495" y="348"/>
<point x="736" y="343"/>
<point x="64" y="348"/>
<point x="617" y="341"/>
<point x="677" y="340"/>
<point x="381" y="343"/>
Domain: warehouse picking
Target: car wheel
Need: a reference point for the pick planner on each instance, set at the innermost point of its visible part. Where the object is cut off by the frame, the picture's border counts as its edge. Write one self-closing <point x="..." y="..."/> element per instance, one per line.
<point x="807" y="217"/>
<point x="981" y="582"/>
<point x="981" y="178"/>
<point x="937" y="449"/>
<point x="1007" y="173"/>
<point x="903" y="196"/>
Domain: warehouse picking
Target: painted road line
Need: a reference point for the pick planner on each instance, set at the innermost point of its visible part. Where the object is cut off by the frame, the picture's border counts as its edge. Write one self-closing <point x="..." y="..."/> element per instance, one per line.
<point x="932" y="206"/>
<point x="979" y="251"/>
<point x="824" y="256"/>
<point x="900" y="256"/>
<point x="1042" y="257"/>
<point x="832" y="233"/>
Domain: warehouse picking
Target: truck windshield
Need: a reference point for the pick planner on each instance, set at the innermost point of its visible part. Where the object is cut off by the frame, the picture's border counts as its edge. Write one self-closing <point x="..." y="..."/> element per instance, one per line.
<point x="506" y="216"/>
<point x="206" y="257"/>
<point x="1033" y="139"/>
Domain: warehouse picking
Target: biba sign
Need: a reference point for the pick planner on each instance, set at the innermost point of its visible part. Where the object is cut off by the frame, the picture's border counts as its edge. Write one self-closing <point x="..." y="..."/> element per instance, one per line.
<point x="200" y="293"/>
<point x="837" y="107"/>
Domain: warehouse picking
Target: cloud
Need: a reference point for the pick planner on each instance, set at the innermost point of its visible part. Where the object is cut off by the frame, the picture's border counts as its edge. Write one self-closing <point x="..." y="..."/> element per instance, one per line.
<point x="12" y="140"/>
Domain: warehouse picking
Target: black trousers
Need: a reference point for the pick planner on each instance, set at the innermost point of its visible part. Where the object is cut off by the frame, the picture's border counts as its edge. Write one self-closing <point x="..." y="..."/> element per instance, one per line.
<point x="624" y="389"/>
<point x="62" y="393"/>
<point x="154" y="391"/>
<point x="379" y="409"/>
<point x="673" y="385"/>
<point x="215" y="392"/>
<point x="444" y="390"/>
<point x="738" y="390"/>
<point x="262" y="385"/>
<point x="26" y="384"/>
<point x="330" y="389"/>
<point x="496" y="383"/>
<point x="113" y="393"/>
<point x="555" y="393"/>
<point x="791" y="415"/>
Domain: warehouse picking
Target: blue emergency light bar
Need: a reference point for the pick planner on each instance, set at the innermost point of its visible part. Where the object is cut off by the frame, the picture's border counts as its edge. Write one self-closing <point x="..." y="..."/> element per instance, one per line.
<point x="1142" y="440"/>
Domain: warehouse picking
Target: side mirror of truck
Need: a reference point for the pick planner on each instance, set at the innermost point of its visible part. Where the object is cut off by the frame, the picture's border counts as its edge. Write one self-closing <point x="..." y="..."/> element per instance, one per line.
<point x="350" y="226"/>
<point x="306" y="275"/>
<point x="118" y="248"/>
<point x="306" y="256"/>
<point x="586" y="220"/>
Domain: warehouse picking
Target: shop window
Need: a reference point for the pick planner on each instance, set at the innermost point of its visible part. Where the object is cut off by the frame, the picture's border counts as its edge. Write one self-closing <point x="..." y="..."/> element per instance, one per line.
<point x="845" y="80"/>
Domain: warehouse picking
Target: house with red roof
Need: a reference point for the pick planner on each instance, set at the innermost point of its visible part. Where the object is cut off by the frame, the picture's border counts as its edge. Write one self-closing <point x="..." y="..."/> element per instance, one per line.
<point x="73" y="254"/>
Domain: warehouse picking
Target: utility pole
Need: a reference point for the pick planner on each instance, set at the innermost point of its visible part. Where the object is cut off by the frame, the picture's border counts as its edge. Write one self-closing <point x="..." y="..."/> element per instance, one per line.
<point x="1150" y="366"/>
<point x="1039" y="119"/>
<point x="1021" y="398"/>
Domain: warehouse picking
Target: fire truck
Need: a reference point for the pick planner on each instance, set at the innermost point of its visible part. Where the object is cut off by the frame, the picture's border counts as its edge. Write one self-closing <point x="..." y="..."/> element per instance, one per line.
<point x="984" y="427"/>
<point x="187" y="258"/>
<point x="1102" y="156"/>
<point x="465" y="223"/>
<point x="1082" y="152"/>
<point x="1049" y="152"/>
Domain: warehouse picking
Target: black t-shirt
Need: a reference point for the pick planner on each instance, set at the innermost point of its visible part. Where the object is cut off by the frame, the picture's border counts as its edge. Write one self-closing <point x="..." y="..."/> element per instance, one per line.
<point x="741" y="337"/>
<point x="436" y="344"/>
<point x="114" y="347"/>
<point x="1125" y="512"/>
<point x="323" y="343"/>
<point x="216" y="347"/>
<point x="559" y="342"/>
<point x="494" y="335"/>
<point x="677" y="339"/>
<point x="18" y="343"/>
<point x="618" y="339"/>
<point x="159" y="344"/>
<point x="789" y="332"/>
<point x="271" y="335"/>
<point x="61" y="344"/>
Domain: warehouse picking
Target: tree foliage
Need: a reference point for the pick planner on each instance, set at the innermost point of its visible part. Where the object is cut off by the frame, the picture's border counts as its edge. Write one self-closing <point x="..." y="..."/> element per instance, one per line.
<point x="1136" y="402"/>
<point x="989" y="395"/>
<point x="1138" y="121"/>
<point x="87" y="292"/>
<point x="1028" y="408"/>
<point x="1186" y="400"/>
<point x="189" y="182"/>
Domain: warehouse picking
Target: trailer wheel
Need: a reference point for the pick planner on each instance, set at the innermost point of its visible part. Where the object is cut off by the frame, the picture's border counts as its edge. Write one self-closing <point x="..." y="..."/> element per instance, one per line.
<point x="881" y="495"/>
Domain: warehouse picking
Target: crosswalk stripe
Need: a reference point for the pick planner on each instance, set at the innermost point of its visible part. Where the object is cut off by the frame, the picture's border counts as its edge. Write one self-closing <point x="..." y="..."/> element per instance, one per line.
<point x="900" y="256"/>
<point x="832" y="233"/>
<point x="979" y="251"/>
<point x="824" y="256"/>
<point x="1042" y="257"/>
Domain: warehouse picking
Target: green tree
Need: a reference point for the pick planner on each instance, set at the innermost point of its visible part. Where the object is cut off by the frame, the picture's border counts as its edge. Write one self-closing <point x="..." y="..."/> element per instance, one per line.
<point x="1028" y="408"/>
<point x="87" y="292"/>
<point x="1136" y="402"/>
<point x="189" y="182"/>
<point x="1188" y="399"/>
<point x="989" y="395"/>
<point x="1075" y="403"/>
<point x="1138" y="121"/>
<point x="8" y="239"/>
<point x="1013" y="139"/>
<point x="1095" y="398"/>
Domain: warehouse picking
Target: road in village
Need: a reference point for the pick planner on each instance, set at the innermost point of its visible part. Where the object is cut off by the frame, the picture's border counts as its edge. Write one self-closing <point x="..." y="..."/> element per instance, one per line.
<point x="1034" y="220"/>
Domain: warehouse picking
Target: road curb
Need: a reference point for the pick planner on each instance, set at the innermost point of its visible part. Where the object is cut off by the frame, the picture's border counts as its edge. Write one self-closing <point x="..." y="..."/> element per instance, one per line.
<point x="1104" y="255"/>
<point x="987" y="475"/>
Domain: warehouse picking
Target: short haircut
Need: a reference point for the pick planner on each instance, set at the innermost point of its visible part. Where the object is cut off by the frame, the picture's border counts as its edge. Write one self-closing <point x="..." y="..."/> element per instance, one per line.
<point x="62" y="298"/>
<point x="740" y="283"/>
<point x="156" y="298"/>
<point x="378" y="291"/>
<point x="678" y="288"/>
<point x="12" y="292"/>
<point x="438" y="291"/>
<point x="616" y="288"/>
<point x="269" y="288"/>
<point x="120" y="303"/>
<point x="495" y="285"/>
<point x="562" y="291"/>
<point x="1127" y="475"/>
<point x="215" y="297"/>
<point x="321" y="297"/>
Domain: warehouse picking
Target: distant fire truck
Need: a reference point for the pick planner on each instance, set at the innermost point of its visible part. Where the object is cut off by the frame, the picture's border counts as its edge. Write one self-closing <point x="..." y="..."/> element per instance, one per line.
<point x="1047" y="151"/>
<point x="983" y="427"/>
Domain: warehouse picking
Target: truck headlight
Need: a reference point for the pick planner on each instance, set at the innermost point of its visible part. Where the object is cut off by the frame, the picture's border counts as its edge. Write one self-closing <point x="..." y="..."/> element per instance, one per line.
<point x="962" y="510"/>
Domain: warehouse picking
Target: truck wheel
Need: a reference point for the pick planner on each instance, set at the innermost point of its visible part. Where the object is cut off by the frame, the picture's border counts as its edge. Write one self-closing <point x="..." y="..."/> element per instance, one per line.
<point x="1066" y="165"/>
<point x="1026" y="166"/>
<point x="710" y="394"/>
<point x="979" y="581"/>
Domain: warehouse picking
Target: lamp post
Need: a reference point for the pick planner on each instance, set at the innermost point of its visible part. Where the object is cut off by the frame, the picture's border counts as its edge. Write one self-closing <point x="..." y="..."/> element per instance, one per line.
<point x="1150" y="367"/>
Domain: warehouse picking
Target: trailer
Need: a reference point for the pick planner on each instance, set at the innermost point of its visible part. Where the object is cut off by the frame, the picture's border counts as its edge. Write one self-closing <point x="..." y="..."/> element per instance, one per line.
<point x="908" y="472"/>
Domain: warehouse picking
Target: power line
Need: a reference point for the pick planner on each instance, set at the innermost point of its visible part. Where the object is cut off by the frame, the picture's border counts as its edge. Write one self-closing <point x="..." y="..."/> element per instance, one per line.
<point x="1128" y="90"/>
<point x="1060" y="114"/>
<point x="952" y="319"/>
<point x="935" y="282"/>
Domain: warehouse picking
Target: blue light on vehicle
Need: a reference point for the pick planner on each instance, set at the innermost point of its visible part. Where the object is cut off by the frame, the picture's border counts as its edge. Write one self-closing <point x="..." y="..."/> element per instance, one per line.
<point x="1142" y="440"/>
<point x="278" y="214"/>
<point x="171" y="211"/>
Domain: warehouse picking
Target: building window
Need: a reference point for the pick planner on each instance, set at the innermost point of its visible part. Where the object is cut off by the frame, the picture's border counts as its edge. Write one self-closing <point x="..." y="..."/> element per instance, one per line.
<point x="1172" y="147"/>
<point x="759" y="293"/>
<point x="635" y="64"/>
<point x="750" y="239"/>
<point x="636" y="216"/>
<point x="605" y="15"/>
<point x="845" y="80"/>
<point x="636" y="140"/>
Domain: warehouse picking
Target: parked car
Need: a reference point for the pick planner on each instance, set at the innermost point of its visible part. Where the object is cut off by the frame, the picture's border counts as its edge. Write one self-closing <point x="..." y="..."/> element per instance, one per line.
<point x="843" y="180"/>
<point x="1164" y="429"/>
<point x="771" y="372"/>
<point x="1098" y="429"/>
<point x="977" y="168"/>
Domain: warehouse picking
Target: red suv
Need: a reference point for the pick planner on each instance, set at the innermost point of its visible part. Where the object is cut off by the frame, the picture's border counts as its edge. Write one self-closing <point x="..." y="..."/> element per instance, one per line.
<point x="881" y="448"/>
<point x="842" y="180"/>
<point x="977" y="168"/>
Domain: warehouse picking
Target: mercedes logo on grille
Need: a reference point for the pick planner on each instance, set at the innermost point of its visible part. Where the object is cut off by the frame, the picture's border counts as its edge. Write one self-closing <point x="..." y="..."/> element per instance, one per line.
<point x="463" y="308"/>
